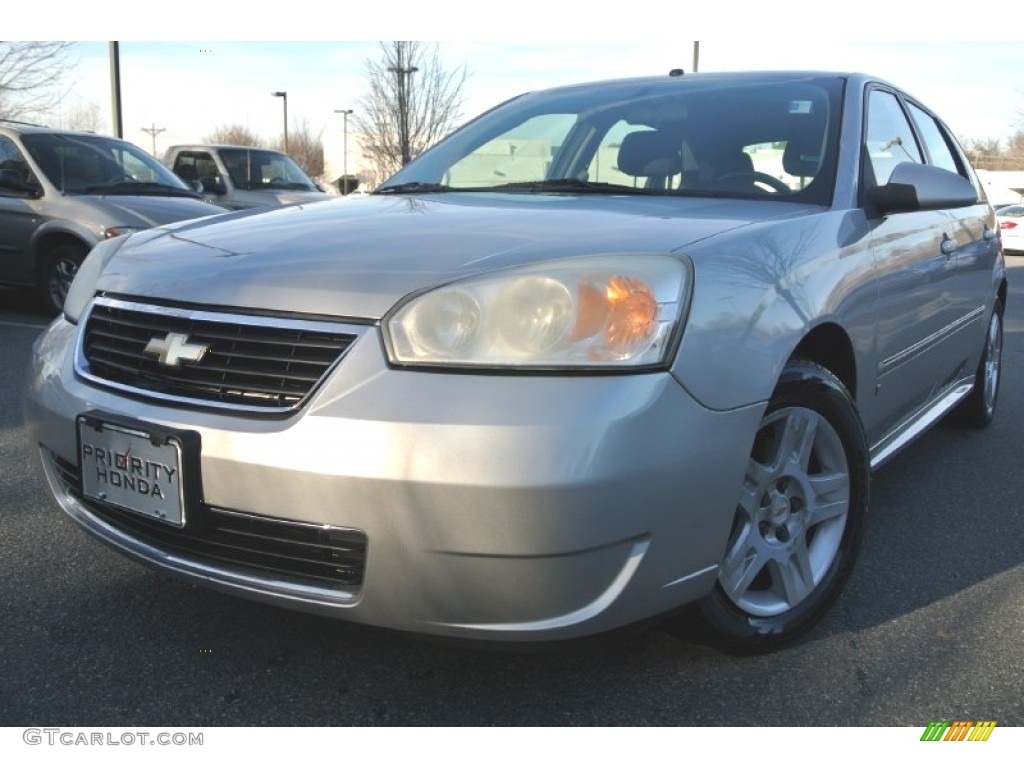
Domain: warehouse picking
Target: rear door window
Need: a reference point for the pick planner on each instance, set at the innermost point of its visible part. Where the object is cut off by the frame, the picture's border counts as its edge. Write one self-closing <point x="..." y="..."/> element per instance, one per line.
<point x="935" y="141"/>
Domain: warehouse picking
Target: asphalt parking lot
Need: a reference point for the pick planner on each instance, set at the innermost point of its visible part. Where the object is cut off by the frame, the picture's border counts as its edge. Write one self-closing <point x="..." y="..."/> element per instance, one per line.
<point x="929" y="627"/>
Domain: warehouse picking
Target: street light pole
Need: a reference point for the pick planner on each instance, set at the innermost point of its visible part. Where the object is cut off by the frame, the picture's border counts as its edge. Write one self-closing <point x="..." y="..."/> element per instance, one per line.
<point x="284" y="95"/>
<point x="403" y="110"/>
<point x="344" y="147"/>
<point x="115" y="87"/>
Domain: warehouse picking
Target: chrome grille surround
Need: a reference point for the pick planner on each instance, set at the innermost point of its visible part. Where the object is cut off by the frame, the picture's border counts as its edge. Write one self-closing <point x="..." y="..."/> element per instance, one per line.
<point x="253" y="363"/>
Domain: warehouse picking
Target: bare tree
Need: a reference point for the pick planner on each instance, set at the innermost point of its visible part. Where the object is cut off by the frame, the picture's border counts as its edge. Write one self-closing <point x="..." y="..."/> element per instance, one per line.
<point x="994" y="155"/>
<point x="305" y="148"/>
<point x="412" y="102"/>
<point x="84" y="117"/>
<point x="30" y="76"/>
<point x="235" y="133"/>
<point x="983" y="153"/>
<point x="1015" y="149"/>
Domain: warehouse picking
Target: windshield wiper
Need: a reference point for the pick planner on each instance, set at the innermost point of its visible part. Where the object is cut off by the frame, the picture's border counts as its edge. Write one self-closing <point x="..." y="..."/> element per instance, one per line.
<point x="298" y="185"/>
<point x="412" y="186"/>
<point x="138" y="188"/>
<point x="545" y="185"/>
<point x="579" y="186"/>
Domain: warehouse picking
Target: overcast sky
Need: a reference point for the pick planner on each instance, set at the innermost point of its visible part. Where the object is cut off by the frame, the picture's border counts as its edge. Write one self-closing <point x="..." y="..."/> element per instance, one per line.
<point x="190" y="88"/>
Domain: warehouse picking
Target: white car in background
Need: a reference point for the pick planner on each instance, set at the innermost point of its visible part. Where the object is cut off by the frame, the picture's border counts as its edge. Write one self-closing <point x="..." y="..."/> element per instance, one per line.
<point x="1011" y="227"/>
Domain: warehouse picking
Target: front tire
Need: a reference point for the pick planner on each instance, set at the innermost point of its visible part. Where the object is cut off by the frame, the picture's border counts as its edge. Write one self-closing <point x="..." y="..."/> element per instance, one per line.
<point x="799" y="519"/>
<point x="59" y="270"/>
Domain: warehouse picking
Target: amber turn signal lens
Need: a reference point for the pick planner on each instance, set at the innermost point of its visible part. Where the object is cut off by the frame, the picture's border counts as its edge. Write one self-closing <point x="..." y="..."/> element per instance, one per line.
<point x="632" y="313"/>
<point x="623" y="310"/>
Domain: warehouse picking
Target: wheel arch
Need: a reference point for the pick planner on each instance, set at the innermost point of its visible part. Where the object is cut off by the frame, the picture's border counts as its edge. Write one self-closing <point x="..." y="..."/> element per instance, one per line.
<point x="829" y="346"/>
<point x="46" y="242"/>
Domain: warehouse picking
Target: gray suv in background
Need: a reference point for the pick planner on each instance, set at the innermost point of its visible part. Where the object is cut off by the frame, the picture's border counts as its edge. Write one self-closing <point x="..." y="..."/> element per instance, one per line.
<point x="61" y="192"/>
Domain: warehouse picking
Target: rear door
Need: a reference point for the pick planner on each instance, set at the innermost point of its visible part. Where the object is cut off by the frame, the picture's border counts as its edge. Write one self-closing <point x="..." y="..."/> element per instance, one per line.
<point x="914" y="255"/>
<point x="973" y="232"/>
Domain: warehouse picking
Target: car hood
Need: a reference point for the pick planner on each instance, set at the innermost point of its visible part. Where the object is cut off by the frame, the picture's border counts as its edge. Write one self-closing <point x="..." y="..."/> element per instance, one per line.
<point x="243" y="199"/>
<point x="148" y="210"/>
<point x="357" y="258"/>
<point x="286" y="198"/>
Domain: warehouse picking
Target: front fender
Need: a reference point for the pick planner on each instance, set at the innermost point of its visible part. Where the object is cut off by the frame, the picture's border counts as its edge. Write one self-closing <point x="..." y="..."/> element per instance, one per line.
<point x="759" y="291"/>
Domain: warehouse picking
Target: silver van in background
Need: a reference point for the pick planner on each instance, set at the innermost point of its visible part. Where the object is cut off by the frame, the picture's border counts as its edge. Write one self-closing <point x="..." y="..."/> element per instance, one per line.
<point x="62" y="192"/>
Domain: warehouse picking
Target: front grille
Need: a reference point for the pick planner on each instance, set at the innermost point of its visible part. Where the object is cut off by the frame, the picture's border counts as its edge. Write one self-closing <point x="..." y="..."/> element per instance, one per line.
<point x="321" y="556"/>
<point x="256" y="363"/>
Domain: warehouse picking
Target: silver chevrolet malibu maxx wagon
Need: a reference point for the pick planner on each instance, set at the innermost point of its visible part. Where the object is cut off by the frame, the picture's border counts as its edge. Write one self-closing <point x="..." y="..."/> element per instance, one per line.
<point x="605" y="351"/>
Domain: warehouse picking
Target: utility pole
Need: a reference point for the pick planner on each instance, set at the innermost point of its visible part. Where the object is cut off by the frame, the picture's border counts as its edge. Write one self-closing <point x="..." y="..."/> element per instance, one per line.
<point x="153" y="131"/>
<point x="403" y="109"/>
<point x="344" y="148"/>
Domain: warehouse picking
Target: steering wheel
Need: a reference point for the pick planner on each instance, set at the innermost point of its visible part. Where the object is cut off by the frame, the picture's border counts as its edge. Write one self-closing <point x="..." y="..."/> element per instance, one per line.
<point x="757" y="177"/>
<point x="278" y="180"/>
<point x="119" y="177"/>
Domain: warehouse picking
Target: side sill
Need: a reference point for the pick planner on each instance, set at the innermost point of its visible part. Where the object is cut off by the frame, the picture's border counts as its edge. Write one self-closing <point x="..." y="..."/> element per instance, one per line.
<point x="913" y="427"/>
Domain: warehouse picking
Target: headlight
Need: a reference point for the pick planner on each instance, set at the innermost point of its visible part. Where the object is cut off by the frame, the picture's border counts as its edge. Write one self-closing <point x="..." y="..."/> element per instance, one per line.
<point x="614" y="311"/>
<point x="84" y="285"/>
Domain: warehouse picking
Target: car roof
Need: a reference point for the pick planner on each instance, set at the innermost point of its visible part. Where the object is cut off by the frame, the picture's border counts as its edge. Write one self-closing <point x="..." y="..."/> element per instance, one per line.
<point x="17" y="126"/>
<point x="222" y="146"/>
<point x="743" y="76"/>
<point x="857" y="79"/>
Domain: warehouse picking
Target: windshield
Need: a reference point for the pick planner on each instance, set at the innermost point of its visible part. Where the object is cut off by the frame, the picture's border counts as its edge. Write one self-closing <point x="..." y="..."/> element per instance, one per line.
<point x="771" y="136"/>
<point x="263" y="169"/>
<point x="85" y="164"/>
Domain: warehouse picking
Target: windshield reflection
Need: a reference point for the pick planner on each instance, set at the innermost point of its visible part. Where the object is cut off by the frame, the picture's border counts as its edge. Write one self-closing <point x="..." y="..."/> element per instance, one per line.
<point x="85" y="164"/>
<point x="772" y="138"/>
<point x="264" y="169"/>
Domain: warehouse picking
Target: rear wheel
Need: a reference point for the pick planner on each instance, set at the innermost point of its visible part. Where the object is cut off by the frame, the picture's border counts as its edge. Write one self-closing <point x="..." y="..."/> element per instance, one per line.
<point x="979" y="407"/>
<point x="61" y="265"/>
<point x="799" y="518"/>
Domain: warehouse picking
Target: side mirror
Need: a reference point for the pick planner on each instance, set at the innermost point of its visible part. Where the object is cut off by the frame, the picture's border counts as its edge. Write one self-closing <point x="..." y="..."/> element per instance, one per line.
<point x="918" y="187"/>
<point x="196" y="186"/>
<point x="212" y="186"/>
<point x="15" y="182"/>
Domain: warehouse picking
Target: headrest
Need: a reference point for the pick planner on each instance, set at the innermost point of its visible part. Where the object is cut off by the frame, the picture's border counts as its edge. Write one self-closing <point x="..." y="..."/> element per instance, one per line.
<point x="802" y="156"/>
<point x="733" y="164"/>
<point x="650" y="153"/>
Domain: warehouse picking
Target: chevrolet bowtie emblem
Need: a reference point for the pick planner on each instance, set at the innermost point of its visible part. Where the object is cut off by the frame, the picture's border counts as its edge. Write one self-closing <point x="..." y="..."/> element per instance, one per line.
<point x="173" y="348"/>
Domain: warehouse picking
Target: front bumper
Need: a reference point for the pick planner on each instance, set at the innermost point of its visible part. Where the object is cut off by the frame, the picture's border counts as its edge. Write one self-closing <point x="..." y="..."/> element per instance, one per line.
<point x="503" y="507"/>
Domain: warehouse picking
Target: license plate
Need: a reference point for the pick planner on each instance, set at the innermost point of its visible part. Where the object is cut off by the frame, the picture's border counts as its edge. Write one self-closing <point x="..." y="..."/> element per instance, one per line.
<point x="133" y="469"/>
